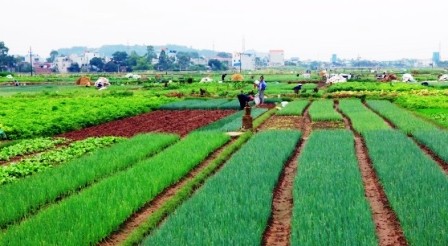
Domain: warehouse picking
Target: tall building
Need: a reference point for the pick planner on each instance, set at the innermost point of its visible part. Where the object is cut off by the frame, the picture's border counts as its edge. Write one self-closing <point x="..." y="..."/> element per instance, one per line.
<point x="334" y="58"/>
<point x="243" y="61"/>
<point x="276" y="58"/>
<point x="436" y="58"/>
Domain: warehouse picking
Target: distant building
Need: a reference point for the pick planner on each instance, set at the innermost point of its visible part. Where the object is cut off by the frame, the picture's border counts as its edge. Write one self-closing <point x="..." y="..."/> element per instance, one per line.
<point x="199" y="61"/>
<point x="334" y="58"/>
<point x="172" y="54"/>
<point x="61" y="63"/>
<point x="436" y="58"/>
<point x="243" y="61"/>
<point x="276" y="58"/>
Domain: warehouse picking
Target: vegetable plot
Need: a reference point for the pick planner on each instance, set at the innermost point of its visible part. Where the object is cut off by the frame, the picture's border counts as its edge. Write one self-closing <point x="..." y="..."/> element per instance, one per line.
<point x="322" y="110"/>
<point x="29" y="146"/>
<point x="416" y="188"/>
<point x="20" y="198"/>
<point x="233" y="207"/>
<point x="46" y="160"/>
<point x="294" y="108"/>
<point x="435" y="140"/>
<point x="403" y="119"/>
<point x="86" y="218"/>
<point x="329" y="203"/>
<point x="361" y="117"/>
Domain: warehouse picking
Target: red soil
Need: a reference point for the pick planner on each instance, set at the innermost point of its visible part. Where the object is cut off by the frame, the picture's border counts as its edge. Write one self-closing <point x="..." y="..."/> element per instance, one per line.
<point x="179" y="122"/>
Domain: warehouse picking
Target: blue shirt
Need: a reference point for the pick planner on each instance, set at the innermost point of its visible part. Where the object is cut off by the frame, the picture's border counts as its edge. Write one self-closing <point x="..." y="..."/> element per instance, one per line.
<point x="262" y="85"/>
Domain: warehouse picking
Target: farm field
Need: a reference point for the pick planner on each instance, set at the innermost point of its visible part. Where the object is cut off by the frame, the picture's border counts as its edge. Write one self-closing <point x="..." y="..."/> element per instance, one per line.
<point x="358" y="163"/>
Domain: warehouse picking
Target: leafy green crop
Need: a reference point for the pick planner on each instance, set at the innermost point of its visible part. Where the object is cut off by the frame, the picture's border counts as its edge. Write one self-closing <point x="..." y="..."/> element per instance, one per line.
<point x="233" y="207"/>
<point x="329" y="203"/>
<point x="293" y="108"/>
<point x="435" y="140"/>
<point x="415" y="186"/>
<point x="26" y="116"/>
<point x="19" y="198"/>
<point x="46" y="160"/>
<point x="196" y="104"/>
<point x="111" y="201"/>
<point x="361" y="117"/>
<point x="29" y="146"/>
<point x="403" y="119"/>
<point x="322" y="110"/>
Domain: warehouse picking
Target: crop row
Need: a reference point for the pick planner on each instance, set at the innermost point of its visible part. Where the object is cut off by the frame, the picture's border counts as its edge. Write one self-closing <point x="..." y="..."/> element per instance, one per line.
<point x="231" y="122"/>
<point x="415" y="186"/>
<point x="402" y="118"/>
<point x="362" y="118"/>
<point x="435" y="140"/>
<point x="46" y="160"/>
<point x="196" y="104"/>
<point x="322" y="110"/>
<point x="329" y="203"/>
<point x="28" y="146"/>
<point x="232" y="207"/>
<point x="25" y="117"/>
<point x="294" y="108"/>
<point x="190" y="186"/>
<point x="367" y="86"/>
<point x="20" y="198"/>
<point x="89" y="216"/>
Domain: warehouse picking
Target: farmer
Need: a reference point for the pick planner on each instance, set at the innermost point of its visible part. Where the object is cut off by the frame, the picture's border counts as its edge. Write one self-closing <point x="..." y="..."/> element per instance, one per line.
<point x="297" y="88"/>
<point x="245" y="98"/>
<point x="261" y="89"/>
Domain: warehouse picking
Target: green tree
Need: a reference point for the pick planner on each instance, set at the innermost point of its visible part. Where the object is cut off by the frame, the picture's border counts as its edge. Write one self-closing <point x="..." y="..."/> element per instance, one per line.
<point x="132" y="59"/>
<point x="216" y="65"/>
<point x="53" y="55"/>
<point x="120" y="56"/>
<point x="142" y="64"/>
<point x="98" y="63"/>
<point x="110" y="67"/>
<point x="6" y="61"/>
<point x="150" y="53"/>
<point x="224" y="55"/>
<point x="74" y="68"/>
<point x="164" y="62"/>
<point x="183" y="60"/>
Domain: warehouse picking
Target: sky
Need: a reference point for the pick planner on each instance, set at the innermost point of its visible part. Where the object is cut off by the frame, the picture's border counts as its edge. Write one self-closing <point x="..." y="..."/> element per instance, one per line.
<point x="309" y="29"/>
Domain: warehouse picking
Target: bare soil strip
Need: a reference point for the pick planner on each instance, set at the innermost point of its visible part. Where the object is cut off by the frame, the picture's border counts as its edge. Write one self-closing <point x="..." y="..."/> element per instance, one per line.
<point x="141" y="215"/>
<point x="388" y="229"/>
<point x="442" y="164"/>
<point x="173" y="121"/>
<point x="278" y="230"/>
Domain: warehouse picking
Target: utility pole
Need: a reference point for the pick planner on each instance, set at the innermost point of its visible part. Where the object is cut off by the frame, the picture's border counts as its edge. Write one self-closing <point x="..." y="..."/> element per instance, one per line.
<point x="31" y="61"/>
<point x="241" y="60"/>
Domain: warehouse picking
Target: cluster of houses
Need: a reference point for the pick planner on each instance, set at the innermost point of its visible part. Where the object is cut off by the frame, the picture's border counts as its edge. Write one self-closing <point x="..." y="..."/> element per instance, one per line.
<point x="238" y="61"/>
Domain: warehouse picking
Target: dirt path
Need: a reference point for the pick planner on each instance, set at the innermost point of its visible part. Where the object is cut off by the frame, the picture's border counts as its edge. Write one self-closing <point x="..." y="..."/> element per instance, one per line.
<point x="388" y="229"/>
<point x="146" y="211"/>
<point x="278" y="230"/>
<point x="442" y="164"/>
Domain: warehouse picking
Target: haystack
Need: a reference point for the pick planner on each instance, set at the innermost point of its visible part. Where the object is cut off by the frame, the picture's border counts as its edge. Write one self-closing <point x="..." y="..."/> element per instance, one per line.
<point x="237" y="77"/>
<point x="84" y="81"/>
